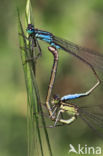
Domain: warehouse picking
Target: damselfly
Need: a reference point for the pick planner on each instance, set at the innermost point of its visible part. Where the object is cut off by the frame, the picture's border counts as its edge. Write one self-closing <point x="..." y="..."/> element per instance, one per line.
<point x="91" y="58"/>
<point x="61" y="107"/>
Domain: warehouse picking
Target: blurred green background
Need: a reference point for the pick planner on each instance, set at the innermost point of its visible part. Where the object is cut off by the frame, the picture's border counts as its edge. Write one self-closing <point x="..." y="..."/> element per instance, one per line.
<point x="78" y="21"/>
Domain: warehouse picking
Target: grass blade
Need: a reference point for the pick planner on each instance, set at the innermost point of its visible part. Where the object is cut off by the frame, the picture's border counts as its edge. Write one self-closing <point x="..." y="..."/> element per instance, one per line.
<point x="34" y="109"/>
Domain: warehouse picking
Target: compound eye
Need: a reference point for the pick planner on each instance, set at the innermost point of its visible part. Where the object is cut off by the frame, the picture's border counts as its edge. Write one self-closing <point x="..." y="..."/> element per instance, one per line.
<point x="56" y="97"/>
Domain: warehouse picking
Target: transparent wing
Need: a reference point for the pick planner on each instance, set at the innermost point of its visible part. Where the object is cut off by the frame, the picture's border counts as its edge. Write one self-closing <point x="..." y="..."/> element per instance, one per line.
<point x="93" y="119"/>
<point x="92" y="58"/>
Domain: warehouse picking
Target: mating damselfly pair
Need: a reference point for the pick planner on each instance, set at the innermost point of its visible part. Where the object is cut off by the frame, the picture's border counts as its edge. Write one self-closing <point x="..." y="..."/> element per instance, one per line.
<point x="57" y="107"/>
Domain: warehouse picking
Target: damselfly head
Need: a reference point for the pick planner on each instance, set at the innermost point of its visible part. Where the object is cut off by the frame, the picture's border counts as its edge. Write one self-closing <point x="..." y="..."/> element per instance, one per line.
<point x="55" y="100"/>
<point x="56" y="97"/>
<point x="30" y="29"/>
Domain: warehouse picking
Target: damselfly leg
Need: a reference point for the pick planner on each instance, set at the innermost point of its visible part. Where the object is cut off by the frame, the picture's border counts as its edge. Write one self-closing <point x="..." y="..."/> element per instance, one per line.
<point x="33" y="43"/>
<point x="92" y="117"/>
<point x="60" y="108"/>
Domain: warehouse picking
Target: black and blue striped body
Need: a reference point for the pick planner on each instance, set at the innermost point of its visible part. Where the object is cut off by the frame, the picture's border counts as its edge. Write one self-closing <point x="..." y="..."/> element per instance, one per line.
<point x="42" y="35"/>
<point x="46" y="36"/>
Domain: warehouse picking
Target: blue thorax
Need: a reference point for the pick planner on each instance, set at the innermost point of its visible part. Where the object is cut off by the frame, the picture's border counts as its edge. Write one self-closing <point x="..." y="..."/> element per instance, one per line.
<point x="43" y="35"/>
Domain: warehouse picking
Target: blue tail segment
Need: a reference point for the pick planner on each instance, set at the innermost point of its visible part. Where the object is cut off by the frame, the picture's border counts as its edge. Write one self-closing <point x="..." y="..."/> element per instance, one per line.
<point x="72" y="96"/>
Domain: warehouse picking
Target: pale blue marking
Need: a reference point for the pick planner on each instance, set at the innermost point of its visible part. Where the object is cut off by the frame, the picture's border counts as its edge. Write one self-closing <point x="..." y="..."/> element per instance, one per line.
<point x="47" y="38"/>
<point x="30" y="31"/>
<point x="41" y="36"/>
<point x="54" y="45"/>
<point x="72" y="96"/>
